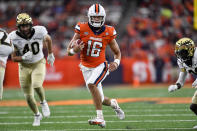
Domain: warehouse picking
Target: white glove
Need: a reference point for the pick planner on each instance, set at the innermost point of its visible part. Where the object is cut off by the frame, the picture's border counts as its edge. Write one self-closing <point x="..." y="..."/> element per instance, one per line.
<point x="27" y="56"/>
<point x="172" y="88"/>
<point x="51" y="59"/>
<point x="194" y="84"/>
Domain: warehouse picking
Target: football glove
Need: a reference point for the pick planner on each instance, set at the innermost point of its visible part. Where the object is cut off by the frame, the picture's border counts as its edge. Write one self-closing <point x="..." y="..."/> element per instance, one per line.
<point x="172" y="88"/>
<point x="50" y="59"/>
<point x="27" y="56"/>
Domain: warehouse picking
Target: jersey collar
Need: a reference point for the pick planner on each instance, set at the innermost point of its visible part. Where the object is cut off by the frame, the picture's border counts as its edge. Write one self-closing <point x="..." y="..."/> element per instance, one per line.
<point x="22" y="36"/>
<point x="95" y="32"/>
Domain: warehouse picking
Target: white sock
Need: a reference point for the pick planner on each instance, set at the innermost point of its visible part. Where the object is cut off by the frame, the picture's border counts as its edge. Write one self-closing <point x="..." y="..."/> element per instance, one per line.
<point x="44" y="101"/>
<point x="113" y="104"/>
<point x="37" y="114"/>
<point x="99" y="114"/>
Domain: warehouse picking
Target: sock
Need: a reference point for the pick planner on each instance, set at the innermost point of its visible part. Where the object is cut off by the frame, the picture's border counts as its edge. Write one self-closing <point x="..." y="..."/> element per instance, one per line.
<point x="42" y="102"/>
<point x="113" y="104"/>
<point x="37" y="114"/>
<point x="99" y="114"/>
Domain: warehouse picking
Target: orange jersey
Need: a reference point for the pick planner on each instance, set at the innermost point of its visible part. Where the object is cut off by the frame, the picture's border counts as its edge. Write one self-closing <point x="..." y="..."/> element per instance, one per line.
<point x="93" y="53"/>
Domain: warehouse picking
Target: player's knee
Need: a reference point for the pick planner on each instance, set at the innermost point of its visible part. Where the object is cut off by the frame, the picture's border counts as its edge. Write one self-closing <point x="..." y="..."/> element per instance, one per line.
<point x="91" y="86"/>
<point x="193" y="107"/>
<point x="29" y="97"/>
<point x="36" y="85"/>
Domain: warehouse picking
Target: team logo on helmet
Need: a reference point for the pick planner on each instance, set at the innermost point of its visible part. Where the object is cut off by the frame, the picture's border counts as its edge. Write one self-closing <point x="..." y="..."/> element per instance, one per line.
<point x="184" y="48"/>
<point x="23" y="18"/>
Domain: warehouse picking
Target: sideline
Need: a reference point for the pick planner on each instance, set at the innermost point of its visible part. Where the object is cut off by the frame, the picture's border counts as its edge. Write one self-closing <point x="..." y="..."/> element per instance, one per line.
<point x="157" y="100"/>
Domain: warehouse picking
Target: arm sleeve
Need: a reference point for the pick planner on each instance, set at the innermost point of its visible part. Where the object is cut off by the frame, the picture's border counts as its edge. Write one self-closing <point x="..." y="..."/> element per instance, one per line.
<point x="77" y="28"/>
<point x="5" y="50"/>
<point x="114" y="33"/>
<point x="182" y="78"/>
<point x="182" y="74"/>
<point x="44" y="31"/>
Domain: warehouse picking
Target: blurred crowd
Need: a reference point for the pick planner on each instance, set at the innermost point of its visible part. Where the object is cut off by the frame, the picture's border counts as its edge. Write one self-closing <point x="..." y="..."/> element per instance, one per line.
<point x="59" y="17"/>
<point x="154" y="29"/>
<point x="151" y="32"/>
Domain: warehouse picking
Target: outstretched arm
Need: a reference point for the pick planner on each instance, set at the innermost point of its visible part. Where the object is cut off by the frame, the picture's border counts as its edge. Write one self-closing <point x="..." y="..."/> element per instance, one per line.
<point x="117" y="55"/>
<point x="180" y="82"/>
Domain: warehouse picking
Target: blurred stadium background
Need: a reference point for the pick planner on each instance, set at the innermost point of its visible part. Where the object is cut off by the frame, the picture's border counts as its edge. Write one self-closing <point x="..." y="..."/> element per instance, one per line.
<point x="147" y="31"/>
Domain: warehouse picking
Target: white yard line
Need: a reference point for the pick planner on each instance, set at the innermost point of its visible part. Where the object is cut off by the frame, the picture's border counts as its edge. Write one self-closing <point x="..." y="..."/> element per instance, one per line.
<point x="88" y="116"/>
<point x="112" y="129"/>
<point x="80" y="111"/>
<point x="91" y="107"/>
<point x="3" y="112"/>
<point x="85" y="122"/>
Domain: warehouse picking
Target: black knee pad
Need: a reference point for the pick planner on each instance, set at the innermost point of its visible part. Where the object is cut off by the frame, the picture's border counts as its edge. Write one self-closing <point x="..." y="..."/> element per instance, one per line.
<point x="193" y="107"/>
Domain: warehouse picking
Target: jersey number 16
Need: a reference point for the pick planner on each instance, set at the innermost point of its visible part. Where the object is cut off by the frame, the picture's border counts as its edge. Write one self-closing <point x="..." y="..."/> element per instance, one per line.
<point x="95" y="52"/>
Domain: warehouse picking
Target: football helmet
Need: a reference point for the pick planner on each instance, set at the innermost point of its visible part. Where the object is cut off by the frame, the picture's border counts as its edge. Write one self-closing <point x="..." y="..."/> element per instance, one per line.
<point x="24" y="23"/>
<point x="23" y="19"/>
<point x="184" y="49"/>
<point x="96" y="15"/>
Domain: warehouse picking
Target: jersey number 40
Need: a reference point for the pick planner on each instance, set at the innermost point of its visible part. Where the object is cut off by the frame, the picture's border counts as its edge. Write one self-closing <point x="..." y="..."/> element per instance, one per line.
<point x="34" y="46"/>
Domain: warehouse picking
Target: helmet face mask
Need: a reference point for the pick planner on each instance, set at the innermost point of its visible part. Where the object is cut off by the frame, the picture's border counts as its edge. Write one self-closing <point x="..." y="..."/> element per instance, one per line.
<point x="96" y="15"/>
<point x="24" y="23"/>
<point x="184" y="49"/>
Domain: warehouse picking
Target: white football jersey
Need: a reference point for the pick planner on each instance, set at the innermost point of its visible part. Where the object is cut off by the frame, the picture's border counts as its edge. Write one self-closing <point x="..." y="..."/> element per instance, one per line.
<point x="193" y="68"/>
<point x="5" y="47"/>
<point x="34" y="44"/>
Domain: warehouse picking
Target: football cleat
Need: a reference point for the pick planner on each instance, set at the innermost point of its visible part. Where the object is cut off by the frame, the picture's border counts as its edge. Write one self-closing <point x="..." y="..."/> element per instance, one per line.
<point x="195" y="127"/>
<point x="45" y="109"/>
<point x="119" y="112"/>
<point x="37" y="119"/>
<point x="97" y="121"/>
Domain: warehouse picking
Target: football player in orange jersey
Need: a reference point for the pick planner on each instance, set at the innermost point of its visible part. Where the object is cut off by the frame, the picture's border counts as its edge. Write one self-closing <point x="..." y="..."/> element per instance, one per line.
<point x="91" y="39"/>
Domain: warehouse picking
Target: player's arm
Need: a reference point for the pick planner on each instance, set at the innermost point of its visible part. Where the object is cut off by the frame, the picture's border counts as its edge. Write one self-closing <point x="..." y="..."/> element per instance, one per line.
<point x="6" y="47"/>
<point x="180" y="82"/>
<point x="117" y="55"/>
<point x="48" y="42"/>
<point x="27" y="56"/>
<point x="16" y="58"/>
<point x="73" y="47"/>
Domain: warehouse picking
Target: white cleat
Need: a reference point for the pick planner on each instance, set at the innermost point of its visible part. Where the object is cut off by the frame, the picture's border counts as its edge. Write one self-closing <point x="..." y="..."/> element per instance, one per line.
<point x="45" y="109"/>
<point x="97" y="121"/>
<point x="195" y="127"/>
<point x="119" y="112"/>
<point x="37" y="119"/>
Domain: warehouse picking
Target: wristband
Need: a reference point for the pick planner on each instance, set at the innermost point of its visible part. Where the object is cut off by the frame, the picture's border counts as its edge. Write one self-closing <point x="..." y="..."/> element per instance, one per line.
<point x="117" y="61"/>
<point x="72" y="51"/>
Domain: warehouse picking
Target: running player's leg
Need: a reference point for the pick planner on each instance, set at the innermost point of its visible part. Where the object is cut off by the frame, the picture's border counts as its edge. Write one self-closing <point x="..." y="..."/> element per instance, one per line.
<point x="96" y="76"/>
<point x="2" y="73"/>
<point x="25" y="83"/>
<point x="113" y="103"/>
<point x="38" y="75"/>
<point x="193" y="106"/>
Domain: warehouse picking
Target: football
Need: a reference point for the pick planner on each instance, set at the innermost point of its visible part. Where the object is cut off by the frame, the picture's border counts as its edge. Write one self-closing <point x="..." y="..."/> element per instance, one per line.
<point x="78" y="41"/>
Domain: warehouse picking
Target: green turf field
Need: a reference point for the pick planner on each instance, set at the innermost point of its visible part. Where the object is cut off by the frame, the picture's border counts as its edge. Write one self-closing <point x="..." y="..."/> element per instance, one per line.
<point x="145" y="115"/>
